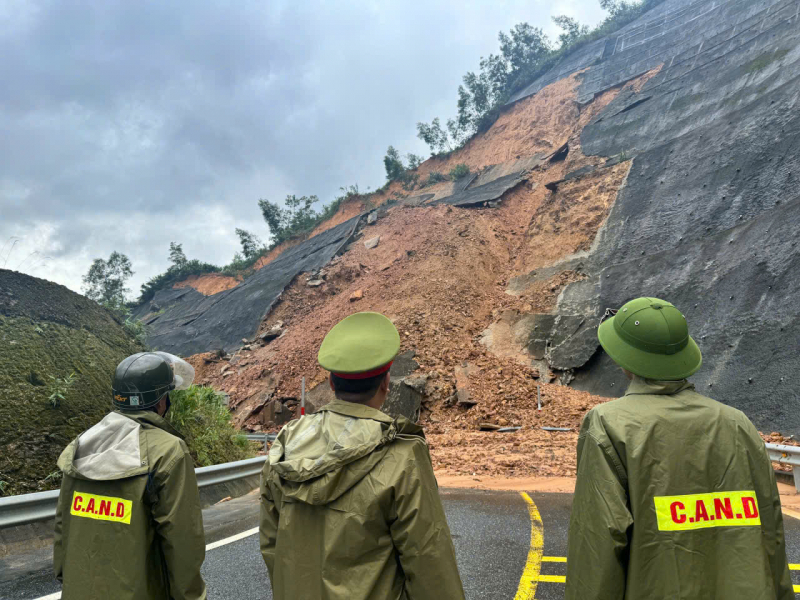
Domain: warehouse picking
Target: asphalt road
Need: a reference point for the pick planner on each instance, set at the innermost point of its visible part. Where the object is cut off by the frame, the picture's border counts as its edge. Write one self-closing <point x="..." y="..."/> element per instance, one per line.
<point x="491" y="533"/>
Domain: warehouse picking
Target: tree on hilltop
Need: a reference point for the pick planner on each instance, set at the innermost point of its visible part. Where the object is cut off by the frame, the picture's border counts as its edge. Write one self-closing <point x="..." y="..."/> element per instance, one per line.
<point x="106" y="279"/>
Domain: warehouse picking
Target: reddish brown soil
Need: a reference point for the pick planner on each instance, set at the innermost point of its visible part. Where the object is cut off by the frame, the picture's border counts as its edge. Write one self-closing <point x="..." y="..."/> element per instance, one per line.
<point x="209" y="284"/>
<point x="440" y="273"/>
<point x="348" y="209"/>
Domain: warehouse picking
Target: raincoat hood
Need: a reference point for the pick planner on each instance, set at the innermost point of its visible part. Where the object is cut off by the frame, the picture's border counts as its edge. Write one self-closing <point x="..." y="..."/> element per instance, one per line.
<point x="309" y="455"/>
<point x="113" y="448"/>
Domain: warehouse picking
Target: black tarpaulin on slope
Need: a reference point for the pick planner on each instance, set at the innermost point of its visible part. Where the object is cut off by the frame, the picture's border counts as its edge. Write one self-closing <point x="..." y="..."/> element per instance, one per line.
<point x="709" y="216"/>
<point x="193" y="323"/>
<point x="488" y="192"/>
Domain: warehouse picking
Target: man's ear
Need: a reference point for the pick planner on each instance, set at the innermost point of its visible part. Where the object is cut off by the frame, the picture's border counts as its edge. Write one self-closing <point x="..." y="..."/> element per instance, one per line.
<point x="330" y="382"/>
<point x="385" y="382"/>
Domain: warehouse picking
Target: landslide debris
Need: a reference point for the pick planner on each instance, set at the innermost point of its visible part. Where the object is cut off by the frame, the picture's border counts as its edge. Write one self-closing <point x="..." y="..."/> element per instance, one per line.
<point x="632" y="184"/>
<point x="441" y="273"/>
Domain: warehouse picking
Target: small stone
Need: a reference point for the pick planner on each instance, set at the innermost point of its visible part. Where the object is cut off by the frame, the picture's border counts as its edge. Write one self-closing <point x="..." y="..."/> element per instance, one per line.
<point x="372" y="218"/>
<point x="247" y="347"/>
<point x="272" y="334"/>
<point x="372" y="242"/>
<point x="226" y="373"/>
<point x="315" y="283"/>
<point x="244" y="340"/>
<point x="416" y="383"/>
<point x="357" y="295"/>
<point x="224" y="369"/>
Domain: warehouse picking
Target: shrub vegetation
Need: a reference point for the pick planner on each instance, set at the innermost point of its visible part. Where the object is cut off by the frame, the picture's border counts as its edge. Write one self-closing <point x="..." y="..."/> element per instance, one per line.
<point x="201" y="415"/>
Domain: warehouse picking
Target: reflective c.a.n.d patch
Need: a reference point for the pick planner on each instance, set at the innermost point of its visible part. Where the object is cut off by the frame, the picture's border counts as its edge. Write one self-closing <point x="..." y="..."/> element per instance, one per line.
<point x="699" y="511"/>
<point x="102" y="508"/>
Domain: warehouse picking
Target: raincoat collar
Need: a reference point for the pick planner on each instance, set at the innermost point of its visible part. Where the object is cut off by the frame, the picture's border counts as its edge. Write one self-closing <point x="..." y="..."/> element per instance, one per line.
<point x="640" y="386"/>
<point x="149" y="418"/>
<point x="359" y="411"/>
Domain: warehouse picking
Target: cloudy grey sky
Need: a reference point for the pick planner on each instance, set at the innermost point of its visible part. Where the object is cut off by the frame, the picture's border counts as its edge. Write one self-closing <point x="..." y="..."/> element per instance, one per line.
<point x="127" y="124"/>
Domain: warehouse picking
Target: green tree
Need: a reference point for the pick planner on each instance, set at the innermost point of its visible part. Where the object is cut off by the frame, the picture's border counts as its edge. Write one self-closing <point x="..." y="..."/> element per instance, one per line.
<point x="274" y="216"/>
<point x="571" y="30"/>
<point x="395" y="169"/>
<point x="176" y="255"/>
<point x="523" y="51"/>
<point x="414" y="161"/>
<point x="615" y="7"/>
<point x="433" y="135"/>
<point x="251" y="245"/>
<point x="296" y="216"/>
<point x="105" y="281"/>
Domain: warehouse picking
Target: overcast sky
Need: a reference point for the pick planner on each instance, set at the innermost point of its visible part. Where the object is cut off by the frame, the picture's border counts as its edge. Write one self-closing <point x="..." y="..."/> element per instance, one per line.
<point x="129" y="124"/>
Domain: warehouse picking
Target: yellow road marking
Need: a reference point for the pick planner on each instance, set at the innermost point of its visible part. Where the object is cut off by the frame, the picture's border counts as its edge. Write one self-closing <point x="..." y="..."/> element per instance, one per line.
<point x="554" y="559"/>
<point x="794" y="567"/>
<point x="553" y="578"/>
<point x="530" y="576"/>
<point x="797" y="589"/>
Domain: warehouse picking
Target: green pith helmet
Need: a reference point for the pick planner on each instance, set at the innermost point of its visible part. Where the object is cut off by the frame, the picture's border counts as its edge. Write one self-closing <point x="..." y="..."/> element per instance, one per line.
<point x="650" y="338"/>
<point x="142" y="379"/>
<point x="360" y="346"/>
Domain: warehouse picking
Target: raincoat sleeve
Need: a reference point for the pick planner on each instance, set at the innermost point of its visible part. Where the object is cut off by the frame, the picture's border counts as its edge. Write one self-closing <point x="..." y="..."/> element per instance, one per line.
<point x="179" y="526"/>
<point x="58" y="544"/>
<point x="268" y="526"/>
<point x="769" y="503"/>
<point x="597" y="550"/>
<point x="420" y="532"/>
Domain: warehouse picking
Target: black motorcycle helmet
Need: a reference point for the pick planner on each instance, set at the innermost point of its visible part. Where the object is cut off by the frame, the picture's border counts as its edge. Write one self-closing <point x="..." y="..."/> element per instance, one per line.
<point x="141" y="380"/>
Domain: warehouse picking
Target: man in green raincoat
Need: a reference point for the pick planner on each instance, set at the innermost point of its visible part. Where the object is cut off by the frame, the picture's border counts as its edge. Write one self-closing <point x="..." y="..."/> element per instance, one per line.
<point x="128" y="521"/>
<point x="675" y="497"/>
<point x="350" y="508"/>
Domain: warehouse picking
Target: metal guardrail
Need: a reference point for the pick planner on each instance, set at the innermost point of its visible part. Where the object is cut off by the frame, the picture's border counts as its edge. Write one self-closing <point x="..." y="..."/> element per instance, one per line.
<point x="787" y="455"/>
<point x="262" y="437"/>
<point x="40" y="506"/>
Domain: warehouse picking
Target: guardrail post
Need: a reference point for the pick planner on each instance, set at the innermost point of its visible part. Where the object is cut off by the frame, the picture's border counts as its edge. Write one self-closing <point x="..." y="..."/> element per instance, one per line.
<point x="796" y="473"/>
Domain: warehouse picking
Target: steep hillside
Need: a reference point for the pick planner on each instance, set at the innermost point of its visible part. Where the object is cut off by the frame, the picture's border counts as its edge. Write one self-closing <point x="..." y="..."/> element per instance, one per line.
<point x="48" y="331"/>
<point x="660" y="160"/>
<point x="709" y="215"/>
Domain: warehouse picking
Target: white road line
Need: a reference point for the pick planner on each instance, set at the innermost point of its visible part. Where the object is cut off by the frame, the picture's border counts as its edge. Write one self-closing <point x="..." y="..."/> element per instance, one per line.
<point x="233" y="538"/>
<point x="225" y="542"/>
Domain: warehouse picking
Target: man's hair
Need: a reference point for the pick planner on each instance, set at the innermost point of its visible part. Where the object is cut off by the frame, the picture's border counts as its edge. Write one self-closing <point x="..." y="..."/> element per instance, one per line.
<point x="356" y="390"/>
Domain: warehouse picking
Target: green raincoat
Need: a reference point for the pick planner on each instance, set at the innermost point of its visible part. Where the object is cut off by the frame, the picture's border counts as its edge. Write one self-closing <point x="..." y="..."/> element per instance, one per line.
<point x="675" y="499"/>
<point x="128" y="522"/>
<point x="350" y="510"/>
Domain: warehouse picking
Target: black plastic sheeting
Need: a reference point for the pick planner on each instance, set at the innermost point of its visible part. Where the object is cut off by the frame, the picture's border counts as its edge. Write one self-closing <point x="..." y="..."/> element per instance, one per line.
<point x="709" y="215"/>
<point x="193" y="323"/>
<point x="488" y="192"/>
